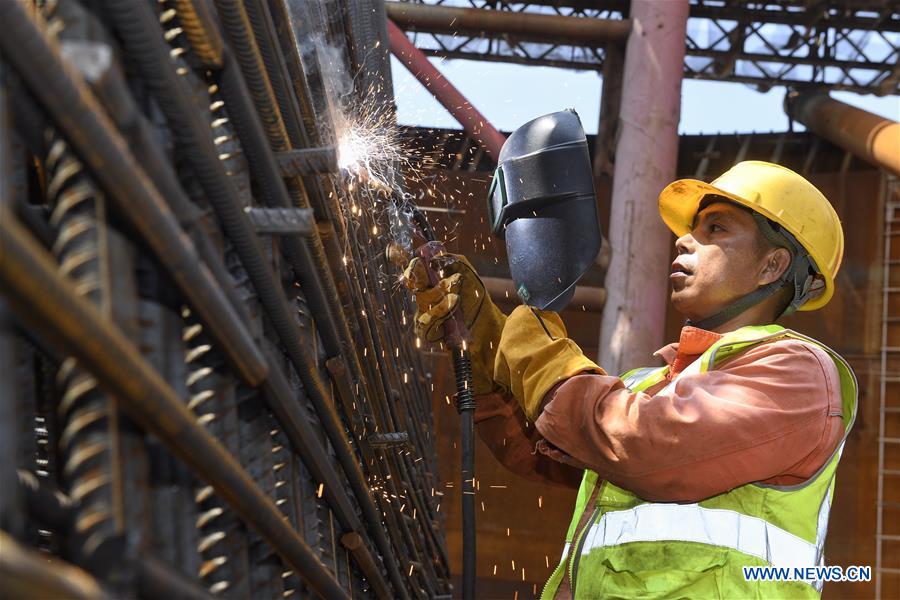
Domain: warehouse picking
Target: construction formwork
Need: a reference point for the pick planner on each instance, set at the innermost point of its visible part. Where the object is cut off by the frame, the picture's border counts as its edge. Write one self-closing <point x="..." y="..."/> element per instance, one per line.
<point x="208" y="384"/>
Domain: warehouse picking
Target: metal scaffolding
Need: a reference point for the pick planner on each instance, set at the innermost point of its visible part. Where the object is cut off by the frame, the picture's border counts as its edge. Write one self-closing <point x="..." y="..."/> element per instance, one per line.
<point x="834" y="44"/>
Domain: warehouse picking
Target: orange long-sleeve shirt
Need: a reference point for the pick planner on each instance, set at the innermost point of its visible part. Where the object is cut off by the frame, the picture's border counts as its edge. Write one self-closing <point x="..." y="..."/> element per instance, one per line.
<point x="770" y="414"/>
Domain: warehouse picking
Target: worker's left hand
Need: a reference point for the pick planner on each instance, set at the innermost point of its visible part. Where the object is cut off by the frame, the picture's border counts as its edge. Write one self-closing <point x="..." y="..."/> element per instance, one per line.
<point x="458" y="291"/>
<point x="534" y="355"/>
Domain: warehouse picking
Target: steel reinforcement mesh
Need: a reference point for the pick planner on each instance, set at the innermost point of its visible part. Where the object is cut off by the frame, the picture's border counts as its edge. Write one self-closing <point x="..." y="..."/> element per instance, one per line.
<point x="209" y="384"/>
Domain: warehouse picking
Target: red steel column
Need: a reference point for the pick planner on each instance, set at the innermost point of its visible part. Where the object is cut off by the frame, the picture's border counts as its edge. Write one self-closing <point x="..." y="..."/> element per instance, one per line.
<point x="637" y="282"/>
<point x="451" y="98"/>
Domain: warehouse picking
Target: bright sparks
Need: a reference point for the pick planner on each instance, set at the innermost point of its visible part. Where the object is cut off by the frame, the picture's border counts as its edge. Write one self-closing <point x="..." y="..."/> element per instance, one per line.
<point x="369" y="148"/>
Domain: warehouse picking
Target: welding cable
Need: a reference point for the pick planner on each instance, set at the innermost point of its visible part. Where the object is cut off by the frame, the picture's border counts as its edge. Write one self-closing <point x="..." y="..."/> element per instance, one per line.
<point x="139" y="30"/>
<point x="106" y="154"/>
<point x="455" y="333"/>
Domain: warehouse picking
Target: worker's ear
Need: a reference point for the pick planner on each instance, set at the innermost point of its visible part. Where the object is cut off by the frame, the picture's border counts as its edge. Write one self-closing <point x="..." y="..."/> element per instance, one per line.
<point x="776" y="262"/>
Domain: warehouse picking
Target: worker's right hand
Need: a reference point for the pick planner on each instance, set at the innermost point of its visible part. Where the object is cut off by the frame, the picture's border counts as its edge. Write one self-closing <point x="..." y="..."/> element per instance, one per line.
<point x="459" y="290"/>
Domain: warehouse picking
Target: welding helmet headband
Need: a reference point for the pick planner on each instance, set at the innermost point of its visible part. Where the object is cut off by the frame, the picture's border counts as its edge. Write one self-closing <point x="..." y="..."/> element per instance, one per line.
<point x="542" y="202"/>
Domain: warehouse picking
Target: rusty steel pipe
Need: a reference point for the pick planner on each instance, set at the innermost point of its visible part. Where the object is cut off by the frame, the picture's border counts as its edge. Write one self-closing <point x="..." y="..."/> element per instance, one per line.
<point x="873" y="138"/>
<point x="475" y="123"/>
<point x="29" y="279"/>
<point x="66" y="97"/>
<point x="576" y="31"/>
<point x="634" y="314"/>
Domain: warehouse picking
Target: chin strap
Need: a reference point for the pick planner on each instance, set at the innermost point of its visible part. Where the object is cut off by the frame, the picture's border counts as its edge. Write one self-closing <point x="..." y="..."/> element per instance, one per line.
<point x="801" y="273"/>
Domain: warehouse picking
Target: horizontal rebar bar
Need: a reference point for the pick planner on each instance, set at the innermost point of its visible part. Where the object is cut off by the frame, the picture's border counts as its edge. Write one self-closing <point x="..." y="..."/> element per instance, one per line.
<point x="25" y="573"/>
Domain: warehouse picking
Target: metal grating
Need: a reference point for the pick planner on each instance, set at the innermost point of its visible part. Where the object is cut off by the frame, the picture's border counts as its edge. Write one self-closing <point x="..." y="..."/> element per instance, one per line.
<point x="833" y="44"/>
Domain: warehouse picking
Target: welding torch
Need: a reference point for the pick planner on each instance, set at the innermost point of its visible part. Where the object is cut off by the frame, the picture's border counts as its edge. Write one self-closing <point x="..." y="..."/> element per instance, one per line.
<point x="455" y="334"/>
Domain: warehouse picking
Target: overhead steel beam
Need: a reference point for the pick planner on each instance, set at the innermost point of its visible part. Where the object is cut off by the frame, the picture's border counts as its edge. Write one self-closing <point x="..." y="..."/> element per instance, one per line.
<point x="824" y="52"/>
<point x="760" y="13"/>
<point x="869" y="136"/>
<point x="494" y="23"/>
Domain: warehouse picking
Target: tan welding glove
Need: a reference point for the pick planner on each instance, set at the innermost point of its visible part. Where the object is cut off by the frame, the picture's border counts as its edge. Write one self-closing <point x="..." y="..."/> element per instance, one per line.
<point x="535" y="355"/>
<point x="459" y="288"/>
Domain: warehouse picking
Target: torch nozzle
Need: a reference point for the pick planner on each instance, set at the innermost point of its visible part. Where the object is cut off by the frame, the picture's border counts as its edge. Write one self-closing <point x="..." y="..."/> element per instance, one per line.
<point x="397" y="255"/>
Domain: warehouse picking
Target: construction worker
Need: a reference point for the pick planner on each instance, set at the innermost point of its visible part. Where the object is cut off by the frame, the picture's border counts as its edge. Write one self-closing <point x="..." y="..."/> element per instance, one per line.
<point x="721" y="459"/>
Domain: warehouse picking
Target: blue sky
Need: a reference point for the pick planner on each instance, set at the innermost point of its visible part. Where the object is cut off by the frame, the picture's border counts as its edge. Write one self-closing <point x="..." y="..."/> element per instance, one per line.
<point x="508" y="95"/>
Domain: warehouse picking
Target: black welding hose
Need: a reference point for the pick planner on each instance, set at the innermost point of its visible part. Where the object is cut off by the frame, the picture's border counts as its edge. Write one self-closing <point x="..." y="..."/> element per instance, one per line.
<point x="465" y="404"/>
<point x="139" y="30"/>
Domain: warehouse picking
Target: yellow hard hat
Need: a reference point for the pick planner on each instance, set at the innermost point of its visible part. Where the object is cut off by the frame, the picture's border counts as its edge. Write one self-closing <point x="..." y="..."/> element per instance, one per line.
<point x="777" y="193"/>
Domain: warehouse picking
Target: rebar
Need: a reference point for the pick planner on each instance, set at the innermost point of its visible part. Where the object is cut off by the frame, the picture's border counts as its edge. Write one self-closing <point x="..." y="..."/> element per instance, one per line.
<point x="101" y="147"/>
<point x="138" y="263"/>
<point x="28" y="276"/>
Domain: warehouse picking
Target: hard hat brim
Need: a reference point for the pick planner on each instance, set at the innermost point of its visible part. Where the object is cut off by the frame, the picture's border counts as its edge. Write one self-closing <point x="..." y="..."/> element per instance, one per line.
<point x="680" y="201"/>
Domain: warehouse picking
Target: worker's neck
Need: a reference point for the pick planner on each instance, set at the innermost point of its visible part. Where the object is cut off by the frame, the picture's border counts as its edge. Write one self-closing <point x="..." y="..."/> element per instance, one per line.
<point x="761" y="314"/>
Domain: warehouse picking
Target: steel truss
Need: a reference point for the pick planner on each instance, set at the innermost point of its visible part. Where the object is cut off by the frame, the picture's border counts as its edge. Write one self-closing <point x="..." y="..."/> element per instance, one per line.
<point x="838" y="44"/>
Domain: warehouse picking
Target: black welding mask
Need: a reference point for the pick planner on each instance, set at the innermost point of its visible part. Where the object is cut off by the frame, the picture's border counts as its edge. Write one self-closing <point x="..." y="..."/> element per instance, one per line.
<point x="542" y="202"/>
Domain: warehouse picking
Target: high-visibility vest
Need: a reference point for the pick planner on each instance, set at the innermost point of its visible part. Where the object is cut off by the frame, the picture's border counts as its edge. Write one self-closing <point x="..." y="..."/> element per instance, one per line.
<point x="630" y="548"/>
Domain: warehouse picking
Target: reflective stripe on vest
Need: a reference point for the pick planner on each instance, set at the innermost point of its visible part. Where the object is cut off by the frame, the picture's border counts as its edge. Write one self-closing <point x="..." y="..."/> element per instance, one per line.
<point x="654" y="522"/>
<point x="635" y="376"/>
